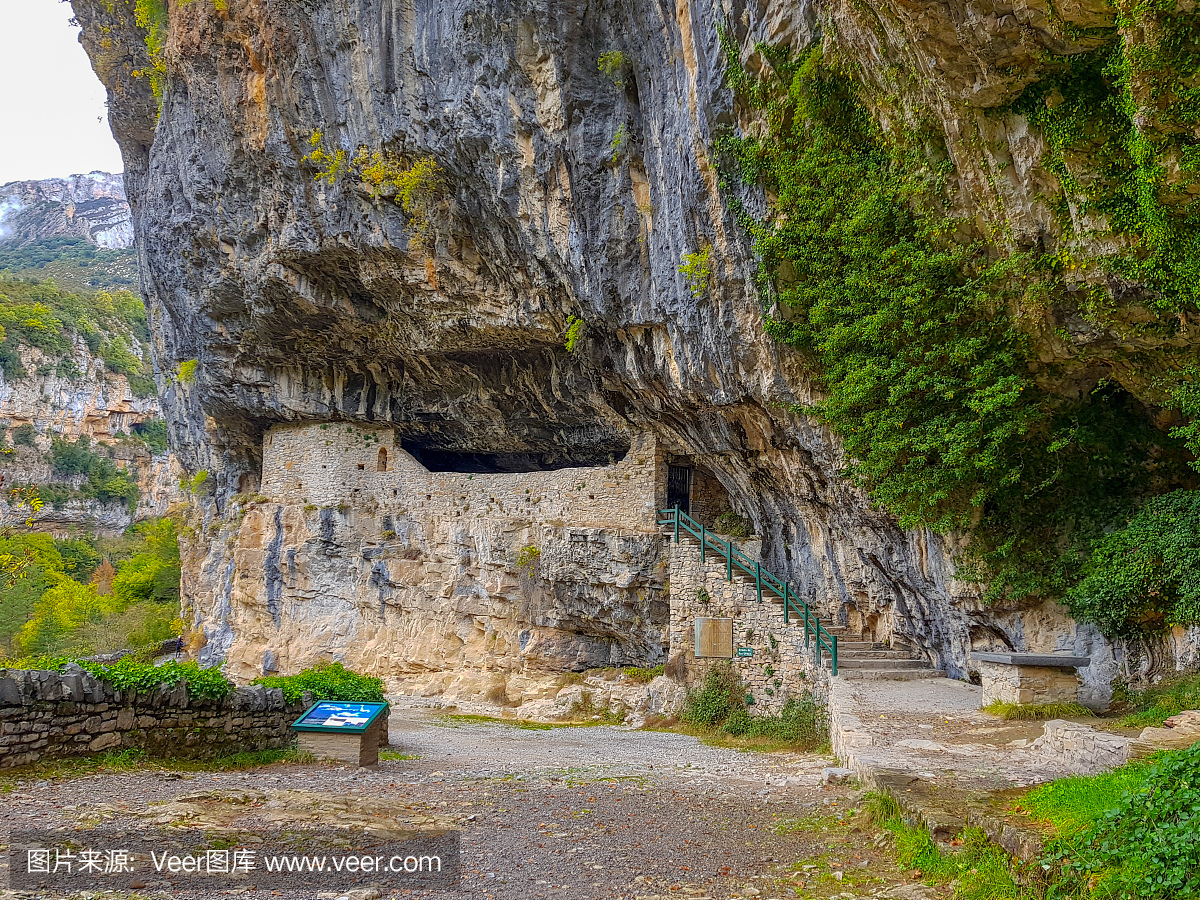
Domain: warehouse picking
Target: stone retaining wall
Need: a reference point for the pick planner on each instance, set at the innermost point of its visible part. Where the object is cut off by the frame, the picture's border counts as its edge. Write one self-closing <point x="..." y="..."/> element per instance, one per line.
<point x="1083" y="749"/>
<point x="780" y="668"/>
<point x="52" y="715"/>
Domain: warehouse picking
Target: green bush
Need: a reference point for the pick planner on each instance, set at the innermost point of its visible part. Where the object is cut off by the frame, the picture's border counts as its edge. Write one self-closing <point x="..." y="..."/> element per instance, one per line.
<point x="23" y="435"/>
<point x="922" y="342"/>
<point x="327" y="681"/>
<point x="129" y="674"/>
<point x="1146" y="574"/>
<point x="731" y="524"/>
<point x="72" y="458"/>
<point x="1168" y="698"/>
<point x="153" y="434"/>
<point x="1144" y="848"/>
<point x="715" y="700"/>
<point x="142" y="386"/>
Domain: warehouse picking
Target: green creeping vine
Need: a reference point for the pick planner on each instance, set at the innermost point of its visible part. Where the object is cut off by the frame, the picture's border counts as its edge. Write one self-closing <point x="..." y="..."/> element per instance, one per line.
<point x="923" y="341"/>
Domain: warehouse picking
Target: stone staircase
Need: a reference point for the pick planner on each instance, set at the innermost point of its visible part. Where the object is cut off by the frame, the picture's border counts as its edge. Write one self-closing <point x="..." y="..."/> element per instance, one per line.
<point x="863" y="660"/>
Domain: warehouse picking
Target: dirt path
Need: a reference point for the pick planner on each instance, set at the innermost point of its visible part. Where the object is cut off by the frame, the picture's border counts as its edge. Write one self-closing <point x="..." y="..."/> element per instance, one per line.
<point x="573" y="813"/>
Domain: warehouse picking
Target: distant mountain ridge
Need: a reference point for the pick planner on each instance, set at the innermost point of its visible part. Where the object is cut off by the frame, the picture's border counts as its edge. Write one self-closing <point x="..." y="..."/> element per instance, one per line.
<point x="92" y="207"/>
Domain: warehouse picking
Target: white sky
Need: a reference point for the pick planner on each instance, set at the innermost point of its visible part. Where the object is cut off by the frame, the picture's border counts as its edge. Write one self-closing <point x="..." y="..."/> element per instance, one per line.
<point x="53" y="121"/>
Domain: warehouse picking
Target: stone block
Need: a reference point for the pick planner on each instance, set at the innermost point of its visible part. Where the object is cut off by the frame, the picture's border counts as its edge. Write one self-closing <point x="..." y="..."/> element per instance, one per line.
<point x="356" y="749"/>
<point x="105" y="741"/>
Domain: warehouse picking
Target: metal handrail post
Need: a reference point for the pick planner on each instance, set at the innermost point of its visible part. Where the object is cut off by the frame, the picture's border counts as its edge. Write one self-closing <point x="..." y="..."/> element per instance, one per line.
<point x="758" y="579"/>
<point x="785" y="603"/>
<point x="833" y="653"/>
<point x="703" y="541"/>
<point x="677" y="523"/>
<point x="729" y="560"/>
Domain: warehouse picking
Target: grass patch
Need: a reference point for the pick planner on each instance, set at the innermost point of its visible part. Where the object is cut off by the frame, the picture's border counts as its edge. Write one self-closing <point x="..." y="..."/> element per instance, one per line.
<point x="979" y="870"/>
<point x="134" y="760"/>
<point x="1129" y="833"/>
<point x="642" y="676"/>
<point x="397" y="755"/>
<point x="1070" y="805"/>
<point x="1153" y="705"/>
<point x="1038" y="711"/>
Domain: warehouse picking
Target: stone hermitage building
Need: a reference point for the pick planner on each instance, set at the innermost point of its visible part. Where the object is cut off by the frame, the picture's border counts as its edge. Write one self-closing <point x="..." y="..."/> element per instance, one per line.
<point x="457" y="584"/>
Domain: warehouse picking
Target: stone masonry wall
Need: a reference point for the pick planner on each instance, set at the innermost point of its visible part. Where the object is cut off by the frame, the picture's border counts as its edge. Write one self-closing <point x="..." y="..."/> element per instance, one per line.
<point x="53" y="715"/>
<point x="331" y="464"/>
<point x="778" y="670"/>
<point x="443" y="583"/>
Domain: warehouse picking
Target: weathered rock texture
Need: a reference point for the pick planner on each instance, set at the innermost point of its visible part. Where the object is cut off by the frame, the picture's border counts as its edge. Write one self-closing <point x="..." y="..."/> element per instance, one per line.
<point x="442" y="581"/>
<point x="47" y="715"/>
<point x="92" y="207"/>
<point x="566" y="194"/>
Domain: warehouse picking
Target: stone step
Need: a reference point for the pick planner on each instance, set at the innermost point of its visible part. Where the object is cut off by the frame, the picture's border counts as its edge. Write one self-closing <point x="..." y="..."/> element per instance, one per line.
<point x="859" y="645"/>
<point x="843" y="653"/>
<point x="888" y="674"/>
<point x="859" y="663"/>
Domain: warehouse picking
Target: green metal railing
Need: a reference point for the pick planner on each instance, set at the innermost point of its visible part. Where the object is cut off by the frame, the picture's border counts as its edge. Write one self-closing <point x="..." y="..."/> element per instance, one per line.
<point x="681" y="522"/>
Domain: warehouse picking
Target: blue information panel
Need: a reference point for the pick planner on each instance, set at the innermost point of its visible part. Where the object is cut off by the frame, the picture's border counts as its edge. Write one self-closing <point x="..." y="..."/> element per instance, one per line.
<point x="339" y="716"/>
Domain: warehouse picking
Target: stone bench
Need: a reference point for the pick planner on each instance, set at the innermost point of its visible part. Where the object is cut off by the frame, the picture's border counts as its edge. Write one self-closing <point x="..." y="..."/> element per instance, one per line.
<point x="1028" y="678"/>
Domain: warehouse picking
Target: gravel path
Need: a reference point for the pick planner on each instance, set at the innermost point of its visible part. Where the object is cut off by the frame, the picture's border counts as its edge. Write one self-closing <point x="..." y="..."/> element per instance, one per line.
<point x="599" y="812"/>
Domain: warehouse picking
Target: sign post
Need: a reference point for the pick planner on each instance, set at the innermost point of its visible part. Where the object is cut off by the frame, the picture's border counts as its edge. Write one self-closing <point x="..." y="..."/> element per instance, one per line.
<point x="340" y="729"/>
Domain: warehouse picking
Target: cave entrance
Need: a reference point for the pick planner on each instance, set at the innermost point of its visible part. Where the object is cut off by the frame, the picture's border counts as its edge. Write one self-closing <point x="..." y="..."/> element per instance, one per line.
<point x="679" y="488"/>
<point x="436" y="459"/>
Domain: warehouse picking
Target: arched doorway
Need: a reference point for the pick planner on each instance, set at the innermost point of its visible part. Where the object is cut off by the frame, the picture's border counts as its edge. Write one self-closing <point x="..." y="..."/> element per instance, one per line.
<point x="382" y="466"/>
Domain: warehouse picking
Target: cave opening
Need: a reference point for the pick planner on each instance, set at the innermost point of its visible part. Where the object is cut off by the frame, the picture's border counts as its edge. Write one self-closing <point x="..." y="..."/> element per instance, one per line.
<point x="437" y="459"/>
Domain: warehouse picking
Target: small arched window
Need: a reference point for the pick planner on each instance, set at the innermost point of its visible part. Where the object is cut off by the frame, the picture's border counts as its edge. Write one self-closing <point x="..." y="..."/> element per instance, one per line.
<point x="382" y="459"/>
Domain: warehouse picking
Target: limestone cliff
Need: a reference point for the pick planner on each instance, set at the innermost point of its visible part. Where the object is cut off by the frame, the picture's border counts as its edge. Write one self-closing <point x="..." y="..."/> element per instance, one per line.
<point x="91" y="206"/>
<point x="566" y="192"/>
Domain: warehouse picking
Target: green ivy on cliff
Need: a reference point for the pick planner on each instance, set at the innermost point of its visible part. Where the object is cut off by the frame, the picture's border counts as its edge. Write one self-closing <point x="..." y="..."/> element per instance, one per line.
<point x="923" y="340"/>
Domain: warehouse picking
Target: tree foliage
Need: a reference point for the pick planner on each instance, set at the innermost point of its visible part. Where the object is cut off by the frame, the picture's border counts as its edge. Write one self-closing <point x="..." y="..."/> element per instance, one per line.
<point x="923" y="339"/>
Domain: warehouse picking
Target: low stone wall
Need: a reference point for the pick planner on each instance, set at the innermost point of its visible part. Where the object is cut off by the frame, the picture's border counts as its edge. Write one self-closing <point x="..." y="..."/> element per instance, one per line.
<point x="781" y="666"/>
<point x="47" y="715"/>
<point x="1083" y="749"/>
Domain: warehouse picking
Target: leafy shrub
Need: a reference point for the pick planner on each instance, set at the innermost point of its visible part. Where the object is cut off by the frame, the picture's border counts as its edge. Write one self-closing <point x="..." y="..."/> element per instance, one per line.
<point x="186" y="372"/>
<point x="107" y="483"/>
<point x="720" y="702"/>
<point x="731" y="524"/>
<point x="640" y="675"/>
<point x="1146" y="574"/>
<point x="696" y="268"/>
<point x="1145" y="848"/>
<point x="1169" y="698"/>
<point x="574" y="332"/>
<point x="142" y="386"/>
<point x="327" y="681"/>
<point x="67" y="368"/>
<point x="129" y="674"/>
<point x="613" y="64"/>
<point x="119" y="358"/>
<point x="23" y="435"/>
<point x="715" y="700"/>
<point x="802" y="722"/>
<point x="527" y="558"/>
<point x="72" y="458"/>
<point x="153" y="433"/>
